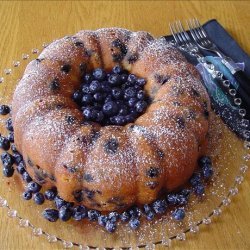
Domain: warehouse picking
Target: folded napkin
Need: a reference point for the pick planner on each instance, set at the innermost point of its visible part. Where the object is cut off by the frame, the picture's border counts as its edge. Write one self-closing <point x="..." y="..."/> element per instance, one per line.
<point x="220" y="102"/>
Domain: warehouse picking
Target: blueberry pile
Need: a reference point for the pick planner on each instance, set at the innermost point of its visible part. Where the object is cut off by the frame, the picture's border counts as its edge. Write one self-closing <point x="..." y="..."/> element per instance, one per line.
<point x="113" y="98"/>
<point x="12" y="159"/>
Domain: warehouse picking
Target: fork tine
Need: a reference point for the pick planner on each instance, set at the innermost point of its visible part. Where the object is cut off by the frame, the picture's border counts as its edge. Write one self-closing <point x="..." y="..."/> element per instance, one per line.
<point x="201" y="28"/>
<point x="173" y="31"/>
<point x="189" y="24"/>
<point x="182" y="32"/>
<point x="193" y="25"/>
<point x="198" y="28"/>
<point x="177" y="28"/>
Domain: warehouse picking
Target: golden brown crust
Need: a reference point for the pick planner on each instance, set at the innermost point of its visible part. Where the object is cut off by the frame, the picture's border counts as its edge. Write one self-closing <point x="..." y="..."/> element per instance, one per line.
<point x="110" y="168"/>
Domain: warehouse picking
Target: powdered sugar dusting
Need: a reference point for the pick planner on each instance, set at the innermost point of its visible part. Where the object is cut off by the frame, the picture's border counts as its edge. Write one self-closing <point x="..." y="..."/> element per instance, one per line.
<point x="115" y="159"/>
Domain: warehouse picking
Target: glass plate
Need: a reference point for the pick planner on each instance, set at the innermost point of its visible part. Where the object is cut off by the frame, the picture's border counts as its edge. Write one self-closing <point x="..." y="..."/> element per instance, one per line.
<point x="229" y="155"/>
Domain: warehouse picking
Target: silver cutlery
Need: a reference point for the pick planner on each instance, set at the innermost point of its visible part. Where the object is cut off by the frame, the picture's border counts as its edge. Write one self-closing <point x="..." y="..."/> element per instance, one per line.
<point x="203" y="41"/>
<point x="185" y="43"/>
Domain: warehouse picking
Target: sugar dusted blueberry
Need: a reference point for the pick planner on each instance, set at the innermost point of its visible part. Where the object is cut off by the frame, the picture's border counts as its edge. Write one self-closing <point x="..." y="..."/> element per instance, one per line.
<point x="9" y="124"/>
<point x="95" y="86"/>
<point x="7" y="159"/>
<point x="205" y="160"/>
<point x="111" y="146"/>
<point x="27" y="195"/>
<point x="199" y="189"/>
<point x="125" y="216"/>
<point x="33" y="187"/>
<point x="178" y="214"/>
<point x="51" y="215"/>
<point x="26" y="177"/>
<point x="20" y="168"/>
<point x="132" y="78"/>
<point x="65" y="213"/>
<point x="4" y="143"/>
<point x="110" y="226"/>
<point x="207" y="171"/>
<point x="150" y="215"/>
<point x="38" y="198"/>
<point x="50" y="194"/>
<point x="117" y="93"/>
<point x="10" y="137"/>
<point x="141" y="82"/>
<point x="87" y="99"/>
<point x="141" y="106"/>
<point x="134" y="223"/>
<point x="59" y="202"/>
<point x="102" y="220"/>
<point x="79" y="212"/>
<point x="113" y="216"/>
<point x="160" y="206"/>
<point x="114" y="79"/>
<point x="99" y="74"/>
<point x="77" y="96"/>
<point x="110" y="108"/>
<point x="93" y="215"/>
<point x="117" y="70"/>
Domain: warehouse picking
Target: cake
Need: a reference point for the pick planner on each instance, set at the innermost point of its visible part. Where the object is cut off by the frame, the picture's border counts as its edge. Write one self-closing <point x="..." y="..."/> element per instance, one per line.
<point x="110" y="167"/>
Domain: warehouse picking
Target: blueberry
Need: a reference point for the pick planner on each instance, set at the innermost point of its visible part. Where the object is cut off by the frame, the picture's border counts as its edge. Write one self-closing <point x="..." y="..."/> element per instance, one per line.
<point x="117" y="70"/>
<point x="172" y="199"/>
<point x="195" y="179"/>
<point x="119" y="120"/>
<point x="10" y="137"/>
<point x="117" y="93"/>
<point x="4" y="143"/>
<point x="99" y="74"/>
<point x="135" y="212"/>
<point x="199" y="189"/>
<point x="110" y="108"/>
<point x="7" y="159"/>
<point x="51" y="215"/>
<point x="4" y="109"/>
<point x="204" y="160"/>
<point x="50" y="194"/>
<point x="178" y="214"/>
<point x="124" y="78"/>
<point x="13" y="148"/>
<point x="129" y="92"/>
<point x="147" y="208"/>
<point x="160" y="206"/>
<point x="33" y="187"/>
<point x="65" y="213"/>
<point x="102" y="220"/>
<point x="131" y="78"/>
<point x="150" y="215"/>
<point x="9" y="124"/>
<point x="89" y="113"/>
<point x="27" y="195"/>
<point x="141" y="106"/>
<point x="87" y="78"/>
<point x="207" y="171"/>
<point x="105" y="87"/>
<point x="108" y="98"/>
<point x="186" y="192"/>
<point x="17" y="158"/>
<point x="77" y="96"/>
<point x="141" y="82"/>
<point x="114" y="79"/>
<point x="132" y="101"/>
<point x="99" y="116"/>
<point x="95" y="86"/>
<point x="134" y="223"/>
<point x="113" y="216"/>
<point x="79" y="212"/>
<point x="59" y="202"/>
<point x="8" y="171"/>
<point x="26" y="177"/>
<point x="93" y="215"/>
<point x="123" y="110"/>
<point x="20" y="168"/>
<point x="86" y="89"/>
<point x="125" y="216"/>
<point x="141" y="95"/>
<point x="129" y="118"/>
<point x="98" y="97"/>
<point x="182" y="200"/>
<point x="38" y="198"/>
<point x="87" y="99"/>
<point x="110" y="226"/>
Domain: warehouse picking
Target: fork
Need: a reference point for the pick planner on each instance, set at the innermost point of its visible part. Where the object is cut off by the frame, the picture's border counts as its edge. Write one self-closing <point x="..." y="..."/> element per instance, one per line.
<point x="202" y="40"/>
<point x="184" y="43"/>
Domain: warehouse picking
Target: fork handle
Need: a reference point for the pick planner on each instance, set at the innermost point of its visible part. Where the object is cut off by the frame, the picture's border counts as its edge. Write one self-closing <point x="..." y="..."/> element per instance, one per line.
<point x="243" y="81"/>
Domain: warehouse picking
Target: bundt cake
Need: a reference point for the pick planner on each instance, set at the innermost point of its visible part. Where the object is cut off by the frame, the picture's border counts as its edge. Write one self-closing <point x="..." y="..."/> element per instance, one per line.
<point x="105" y="166"/>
